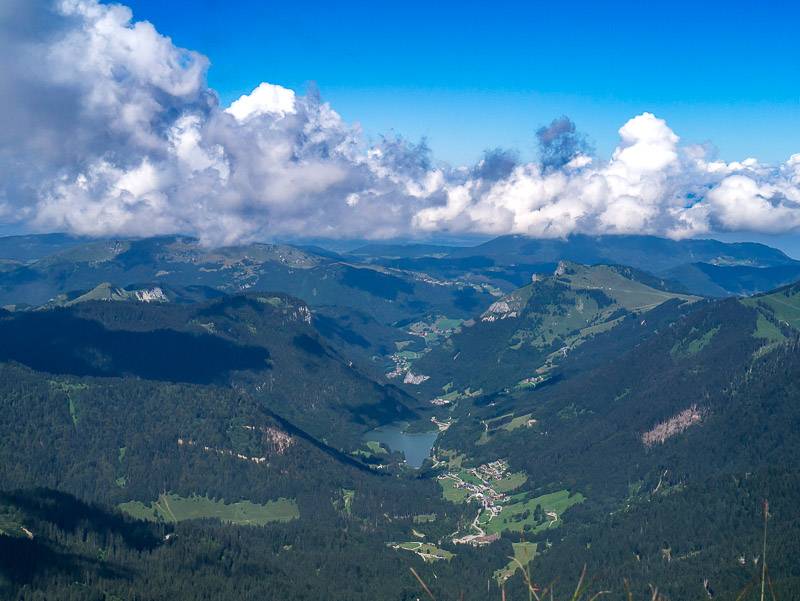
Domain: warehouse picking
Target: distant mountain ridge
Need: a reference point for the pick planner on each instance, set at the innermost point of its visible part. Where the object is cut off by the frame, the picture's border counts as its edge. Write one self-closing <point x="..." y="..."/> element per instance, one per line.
<point x="36" y="246"/>
<point x="644" y="252"/>
<point x="35" y="268"/>
<point x="706" y="267"/>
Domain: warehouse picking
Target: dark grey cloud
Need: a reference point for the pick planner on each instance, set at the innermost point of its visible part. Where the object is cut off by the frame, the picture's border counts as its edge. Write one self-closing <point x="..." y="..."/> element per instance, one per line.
<point x="496" y="164"/>
<point x="405" y="156"/>
<point x="560" y="142"/>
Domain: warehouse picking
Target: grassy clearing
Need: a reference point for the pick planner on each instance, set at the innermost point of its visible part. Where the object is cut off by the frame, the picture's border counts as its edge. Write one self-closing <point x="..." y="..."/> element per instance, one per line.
<point x="348" y="496"/>
<point x="372" y="449"/>
<point x="631" y="294"/>
<point x="511" y="482"/>
<point x="454" y="459"/>
<point x="451" y="493"/>
<point x="496" y="422"/>
<point x="451" y="396"/>
<point x="784" y="305"/>
<point x="457" y="395"/>
<point x="73" y="411"/>
<point x="174" y="508"/>
<point x="519" y="514"/>
<point x="769" y="332"/>
<point x="690" y="347"/>
<point x="523" y="553"/>
<point x="424" y="518"/>
<point x="445" y="323"/>
<point x="520" y="421"/>
<point x="376" y="448"/>
<point x="274" y="301"/>
<point x="427" y="551"/>
<point x="70" y="389"/>
<point x="504" y="424"/>
<point x="532" y="382"/>
<point x="766" y="330"/>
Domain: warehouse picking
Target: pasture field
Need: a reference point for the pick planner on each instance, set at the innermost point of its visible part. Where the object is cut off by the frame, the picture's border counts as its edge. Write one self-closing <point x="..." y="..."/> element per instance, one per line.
<point x="451" y="493"/>
<point x="784" y="305"/>
<point x="521" y="421"/>
<point x="427" y="551"/>
<point x="510" y="482"/>
<point x="174" y="508"/>
<point x="631" y="294"/>
<point x="518" y="514"/>
<point x="523" y="553"/>
<point x="767" y="330"/>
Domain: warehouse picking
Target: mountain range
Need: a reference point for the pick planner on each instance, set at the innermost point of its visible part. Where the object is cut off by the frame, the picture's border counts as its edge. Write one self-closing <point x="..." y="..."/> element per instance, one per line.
<point x="181" y="422"/>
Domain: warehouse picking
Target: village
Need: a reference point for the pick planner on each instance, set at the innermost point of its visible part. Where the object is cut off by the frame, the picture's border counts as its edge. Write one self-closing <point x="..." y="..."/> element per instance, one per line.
<point x="484" y="494"/>
<point x="431" y="331"/>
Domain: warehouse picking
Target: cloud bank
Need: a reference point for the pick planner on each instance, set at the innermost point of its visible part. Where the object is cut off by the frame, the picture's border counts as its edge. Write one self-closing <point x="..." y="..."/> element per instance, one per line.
<point x="107" y="128"/>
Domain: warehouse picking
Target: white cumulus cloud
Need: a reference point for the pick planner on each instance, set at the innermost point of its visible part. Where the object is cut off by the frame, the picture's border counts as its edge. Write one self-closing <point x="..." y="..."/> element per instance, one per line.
<point x="266" y="99"/>
<point x="108" y="128"/>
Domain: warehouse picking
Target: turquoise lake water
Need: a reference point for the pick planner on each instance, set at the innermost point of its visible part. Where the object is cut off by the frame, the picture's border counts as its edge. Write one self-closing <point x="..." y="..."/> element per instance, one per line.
<point x="415" y="446"/>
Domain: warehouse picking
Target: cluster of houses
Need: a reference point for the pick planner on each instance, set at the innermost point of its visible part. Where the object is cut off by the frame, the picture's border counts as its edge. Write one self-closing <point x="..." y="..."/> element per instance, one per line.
<point x="482" y="492"/>
<point x="494" y="470"/>
<point x="439" y="401"/>
<point x="442" y="424"/>
<point x="431" y="330"/>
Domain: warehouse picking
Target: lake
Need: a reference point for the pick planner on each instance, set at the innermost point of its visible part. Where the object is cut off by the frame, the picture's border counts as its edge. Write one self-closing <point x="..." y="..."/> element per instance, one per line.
<point x="415" y="446"/>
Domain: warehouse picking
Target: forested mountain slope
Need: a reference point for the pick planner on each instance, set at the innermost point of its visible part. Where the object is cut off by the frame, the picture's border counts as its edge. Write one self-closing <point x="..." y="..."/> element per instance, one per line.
<point x="358" y="305"/>
<point x="674" y="444"/>
<point x="317" y="278"/>
<point x="265" y="345"/>
<point x="519" y="339"/>
<point x="596" y="415"/>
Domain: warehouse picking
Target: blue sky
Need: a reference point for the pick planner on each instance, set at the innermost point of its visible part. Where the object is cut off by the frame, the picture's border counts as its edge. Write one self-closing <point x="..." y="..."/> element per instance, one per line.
<point x="107" y="130"/>
<point x="474" y="75"/>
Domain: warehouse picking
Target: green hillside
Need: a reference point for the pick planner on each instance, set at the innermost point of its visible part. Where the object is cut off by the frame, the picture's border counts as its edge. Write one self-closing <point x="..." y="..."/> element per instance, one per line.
<point x="521" y="337"/>
<point x="643" y="436"/>
<point x="781" y="307"/>
<point x="264" y="345"/>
